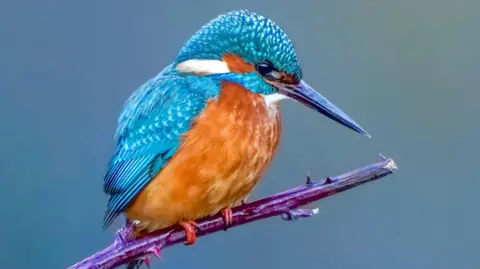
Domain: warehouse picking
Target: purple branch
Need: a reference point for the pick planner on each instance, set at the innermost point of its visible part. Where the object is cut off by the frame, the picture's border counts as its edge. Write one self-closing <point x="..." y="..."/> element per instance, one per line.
<point x="286" y="204"/>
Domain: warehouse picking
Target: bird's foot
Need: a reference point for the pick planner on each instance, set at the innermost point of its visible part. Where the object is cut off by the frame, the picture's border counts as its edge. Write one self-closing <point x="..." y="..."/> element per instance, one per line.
<point x="227" y="217"/>
<point x="190" y="227"/>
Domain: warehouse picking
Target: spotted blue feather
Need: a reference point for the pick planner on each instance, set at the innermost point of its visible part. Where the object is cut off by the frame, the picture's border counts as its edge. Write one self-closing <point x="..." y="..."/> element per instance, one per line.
<point x="254" y="37"/>
<point x="149" y="132"/>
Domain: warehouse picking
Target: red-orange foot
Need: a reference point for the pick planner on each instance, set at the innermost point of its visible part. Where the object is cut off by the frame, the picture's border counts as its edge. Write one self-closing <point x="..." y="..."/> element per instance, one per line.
<point x="189" y="227"/>
<point x="227" y="217"/>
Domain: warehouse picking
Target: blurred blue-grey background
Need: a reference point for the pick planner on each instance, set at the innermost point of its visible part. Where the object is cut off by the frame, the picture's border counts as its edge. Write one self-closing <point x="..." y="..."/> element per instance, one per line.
<point x="407" y="71"/>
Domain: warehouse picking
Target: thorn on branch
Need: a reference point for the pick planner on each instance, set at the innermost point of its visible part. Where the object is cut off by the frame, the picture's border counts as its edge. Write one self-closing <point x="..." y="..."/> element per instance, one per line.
<point x="146" y="260"/>
<point x="309" y="180"/>
<point x="155" y="251"/>
<point x="328" y="180"/>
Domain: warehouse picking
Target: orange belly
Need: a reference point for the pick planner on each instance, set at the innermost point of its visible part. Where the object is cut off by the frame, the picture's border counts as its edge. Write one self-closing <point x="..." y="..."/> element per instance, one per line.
<point x="221" y="160"/>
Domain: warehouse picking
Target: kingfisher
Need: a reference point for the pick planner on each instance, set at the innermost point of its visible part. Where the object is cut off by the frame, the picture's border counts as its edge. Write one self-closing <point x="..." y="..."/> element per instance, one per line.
<point x="195" y="139"/>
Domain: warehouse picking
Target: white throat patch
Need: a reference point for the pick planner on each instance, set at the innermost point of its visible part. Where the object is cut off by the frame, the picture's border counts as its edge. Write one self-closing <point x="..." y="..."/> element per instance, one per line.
<point x="203" y="67"/>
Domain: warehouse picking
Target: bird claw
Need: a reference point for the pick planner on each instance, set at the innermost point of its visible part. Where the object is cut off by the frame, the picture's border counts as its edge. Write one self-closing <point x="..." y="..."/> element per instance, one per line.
<point x="300" y="213"/>
<point x="189" y="227"/>
<point x="227" y="218"/>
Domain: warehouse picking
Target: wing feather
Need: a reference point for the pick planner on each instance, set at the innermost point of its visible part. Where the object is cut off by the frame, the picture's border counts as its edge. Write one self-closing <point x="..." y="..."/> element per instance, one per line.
<point x="148" y="135"/>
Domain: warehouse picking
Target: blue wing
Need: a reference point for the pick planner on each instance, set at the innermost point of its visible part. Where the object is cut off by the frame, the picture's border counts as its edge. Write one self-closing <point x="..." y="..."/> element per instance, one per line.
<point x="148" y="135"/>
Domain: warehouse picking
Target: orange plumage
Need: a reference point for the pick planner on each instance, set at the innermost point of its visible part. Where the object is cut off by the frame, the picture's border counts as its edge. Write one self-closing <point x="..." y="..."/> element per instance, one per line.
<point x="221" y="160"/>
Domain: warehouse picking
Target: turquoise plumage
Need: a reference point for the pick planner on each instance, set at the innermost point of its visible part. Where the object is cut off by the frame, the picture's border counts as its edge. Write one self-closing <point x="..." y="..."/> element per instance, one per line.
<point x="244" y="33"/>
<point x="150" y="126"/>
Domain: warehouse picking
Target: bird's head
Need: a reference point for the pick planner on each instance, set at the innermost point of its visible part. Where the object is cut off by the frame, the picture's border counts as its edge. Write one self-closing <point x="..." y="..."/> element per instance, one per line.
<point x="248" y="47"/>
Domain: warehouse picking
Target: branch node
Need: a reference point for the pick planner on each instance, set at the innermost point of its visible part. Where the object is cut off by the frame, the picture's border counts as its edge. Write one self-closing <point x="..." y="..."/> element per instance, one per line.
<point x="123" y="235"/>
<point x="391" y="165"/>
<point x="295" y="214"/>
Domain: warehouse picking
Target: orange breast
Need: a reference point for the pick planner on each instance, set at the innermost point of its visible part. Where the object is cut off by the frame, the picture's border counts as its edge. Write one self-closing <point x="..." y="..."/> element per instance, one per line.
<point x="219" y="163"/>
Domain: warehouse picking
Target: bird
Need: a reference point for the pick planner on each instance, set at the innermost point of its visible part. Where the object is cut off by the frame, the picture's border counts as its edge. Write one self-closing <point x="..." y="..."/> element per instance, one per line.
<point x="196" y="139"/>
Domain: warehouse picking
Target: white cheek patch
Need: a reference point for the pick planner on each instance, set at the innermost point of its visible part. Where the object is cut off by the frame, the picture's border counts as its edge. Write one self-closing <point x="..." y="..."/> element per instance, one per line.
<point x="203" y="67"/>
<point x="273" y="98"/>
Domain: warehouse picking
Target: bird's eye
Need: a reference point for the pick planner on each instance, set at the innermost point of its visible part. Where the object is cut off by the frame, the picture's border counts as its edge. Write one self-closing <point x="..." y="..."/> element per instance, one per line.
<point x="264" y="68"/>
<point x="268" y="71"/>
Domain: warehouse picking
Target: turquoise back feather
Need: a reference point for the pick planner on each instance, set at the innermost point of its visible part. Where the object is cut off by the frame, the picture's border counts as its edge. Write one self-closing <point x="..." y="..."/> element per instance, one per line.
<point x="150" y="126"/>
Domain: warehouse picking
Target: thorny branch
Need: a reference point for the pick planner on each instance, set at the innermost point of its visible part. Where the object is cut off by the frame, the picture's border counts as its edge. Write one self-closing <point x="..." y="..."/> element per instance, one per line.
<point x="287" y="204"/>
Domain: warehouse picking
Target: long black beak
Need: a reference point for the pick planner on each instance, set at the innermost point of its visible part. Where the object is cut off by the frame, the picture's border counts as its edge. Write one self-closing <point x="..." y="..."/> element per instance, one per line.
<point x="305" y="94"/>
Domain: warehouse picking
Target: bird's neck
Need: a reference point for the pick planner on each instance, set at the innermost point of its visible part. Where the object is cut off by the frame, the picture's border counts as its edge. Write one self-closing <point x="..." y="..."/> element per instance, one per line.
<point x="234" y="97"/>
